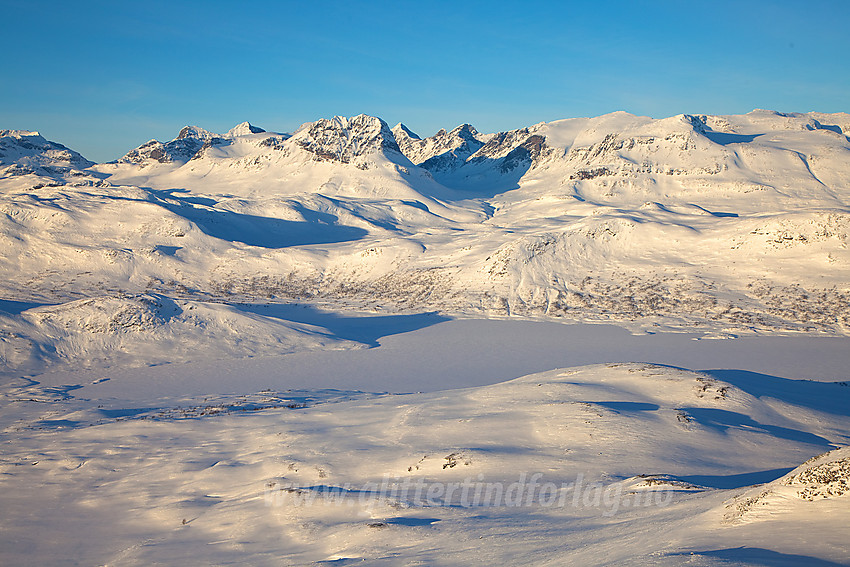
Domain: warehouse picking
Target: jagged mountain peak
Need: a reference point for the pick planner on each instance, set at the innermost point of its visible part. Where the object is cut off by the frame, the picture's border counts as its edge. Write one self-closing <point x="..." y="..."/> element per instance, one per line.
<point x="195" y="132"/>
<point x="243" y="129"/>
<point x="447" y="152"/>
<point x="459" y="143"/>
<point x="344" y="139"/>
<point x="465" y="131"/>
<point x="402" y="130"/>
<point x="344" y="123"/>
<point x="184" y="147"/>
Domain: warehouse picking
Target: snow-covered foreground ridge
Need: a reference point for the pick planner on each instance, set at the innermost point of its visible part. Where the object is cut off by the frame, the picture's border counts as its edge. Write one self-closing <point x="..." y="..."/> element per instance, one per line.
<point x="606" y="464"/>
<point x="721" y="223"/>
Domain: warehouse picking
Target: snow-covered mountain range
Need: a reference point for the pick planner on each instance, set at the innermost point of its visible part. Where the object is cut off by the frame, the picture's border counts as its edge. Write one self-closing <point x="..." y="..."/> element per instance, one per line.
<point x="725" y="224"/>
<point x="210" y="248"/>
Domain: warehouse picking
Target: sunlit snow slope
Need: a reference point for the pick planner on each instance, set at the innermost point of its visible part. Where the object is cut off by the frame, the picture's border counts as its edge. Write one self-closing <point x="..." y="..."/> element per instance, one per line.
<point x="630" y="463"/>
<point x="723" y="224"/>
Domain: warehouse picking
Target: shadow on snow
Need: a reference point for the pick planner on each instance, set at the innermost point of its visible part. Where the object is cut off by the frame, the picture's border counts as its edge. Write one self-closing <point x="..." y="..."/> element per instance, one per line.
<point x="830" y="397"/>
<point x="366" y="329"/>
<point x="254" y="230"/>
<point x="756" y="556"/>
<point x="731" y="481"/>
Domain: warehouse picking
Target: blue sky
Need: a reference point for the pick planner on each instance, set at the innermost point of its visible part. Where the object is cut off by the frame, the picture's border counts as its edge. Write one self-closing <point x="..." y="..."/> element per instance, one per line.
<point x="104" y="77"/>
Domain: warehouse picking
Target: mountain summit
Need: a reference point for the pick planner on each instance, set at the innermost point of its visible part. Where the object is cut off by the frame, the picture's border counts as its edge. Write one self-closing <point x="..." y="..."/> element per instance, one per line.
<point x="344" y="139"/>
<point x="459" y="144"/>
<point x="23" y="152"/>
<point x="243" y="129"/>
<point x="188" y="142"/>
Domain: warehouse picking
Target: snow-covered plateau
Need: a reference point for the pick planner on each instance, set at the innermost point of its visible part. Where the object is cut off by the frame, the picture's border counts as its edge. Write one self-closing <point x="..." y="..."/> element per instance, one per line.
<point x="594" y="341"/>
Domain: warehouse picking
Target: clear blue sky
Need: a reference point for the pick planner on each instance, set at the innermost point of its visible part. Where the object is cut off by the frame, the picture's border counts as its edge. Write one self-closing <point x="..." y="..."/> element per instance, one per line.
<point x="103" y="77"/>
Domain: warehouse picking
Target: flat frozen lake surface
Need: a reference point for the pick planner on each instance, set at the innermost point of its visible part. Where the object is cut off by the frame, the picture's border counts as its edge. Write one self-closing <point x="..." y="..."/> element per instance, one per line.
<point x="428" y="352"/>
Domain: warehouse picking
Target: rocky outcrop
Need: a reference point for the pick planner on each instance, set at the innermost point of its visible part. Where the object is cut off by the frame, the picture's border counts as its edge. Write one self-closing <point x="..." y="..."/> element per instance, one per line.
<point x="184" y="147"/>
<point x="23" y="152"/>
<point x="345" y="139"/>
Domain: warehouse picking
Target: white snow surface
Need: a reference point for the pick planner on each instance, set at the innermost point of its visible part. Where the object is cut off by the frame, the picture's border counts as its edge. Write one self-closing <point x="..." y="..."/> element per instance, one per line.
<point x="234" y="348"/>
<point x="148" y="329"/>
<point x="642" y="464"/>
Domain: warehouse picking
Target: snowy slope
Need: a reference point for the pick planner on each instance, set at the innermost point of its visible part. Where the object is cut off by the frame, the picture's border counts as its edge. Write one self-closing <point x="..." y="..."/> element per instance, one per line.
<point x="147" y="329"/>
<point x="818" y="487"/>
<point x="609" y="464"/>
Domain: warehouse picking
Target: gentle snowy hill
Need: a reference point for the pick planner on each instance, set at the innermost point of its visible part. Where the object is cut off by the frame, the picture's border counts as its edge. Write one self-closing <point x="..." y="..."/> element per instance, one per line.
<point x="596" y="465"/>
<point x="147" y="329"/>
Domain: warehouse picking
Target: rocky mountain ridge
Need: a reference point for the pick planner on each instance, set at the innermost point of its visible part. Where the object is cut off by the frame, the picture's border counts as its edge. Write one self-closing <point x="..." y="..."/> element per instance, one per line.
<point x="23" y="152"/>
<point x="459" y="144"/>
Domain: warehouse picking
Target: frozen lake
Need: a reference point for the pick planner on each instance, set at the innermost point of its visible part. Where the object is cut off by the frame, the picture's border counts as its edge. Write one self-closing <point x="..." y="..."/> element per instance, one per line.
<point x="427" y="352"/>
